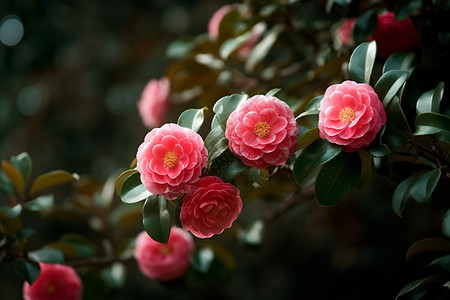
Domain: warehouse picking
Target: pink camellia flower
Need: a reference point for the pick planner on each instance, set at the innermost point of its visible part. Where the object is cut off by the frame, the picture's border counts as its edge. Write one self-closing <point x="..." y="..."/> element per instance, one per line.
<point x="154" y="104"/>
<point x="164" y="261"/>
<point x="344" y="32"/>
<point x="170" y="159"/>
<point x="394" y="35"/>
<point x="55" y="282"/>
<point x="351" y="115"/>
<point x="210" y="207"/>
<point x="214" y="22"/>
<point x="262" y="132"/>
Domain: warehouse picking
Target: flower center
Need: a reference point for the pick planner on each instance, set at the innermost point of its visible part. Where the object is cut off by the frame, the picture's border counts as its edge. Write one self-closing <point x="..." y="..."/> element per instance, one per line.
<point x="346" y="115"/>
<point x="214" y="212"/>
<point x="164" y="250"/>
<point x="170" y="159"/>
<point x="261" y="129"/>
<point x="51" y="289"/>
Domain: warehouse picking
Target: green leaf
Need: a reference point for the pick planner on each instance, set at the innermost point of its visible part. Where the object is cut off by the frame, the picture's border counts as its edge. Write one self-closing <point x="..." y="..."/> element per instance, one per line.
<point x="14" y="176"/>
<point x="432" y="123"/>
<point x="232" y="44"/>
<point x="431" y="100"/>
<point x="260" y="51"/>
<point x="405" y="8"/>
<point x="316" y="154"/>
<point x="192" y="118"/>
<point x="424" y="185"/>
<point x="156" y="218"/>
<point x="443" y="261"/>
<point x="12" y="212"/>
<point x="272" y="92"/>
<point x="402" y="196"/>
<point x="397" y="128"/>
<point x="364" y="26"/>
<point x="24" y="164"/>
<point x="51" y="179"/>
<point x="74" y="246"/>
<point x="216" y="143"/>
<point x="226" y="105"/>
<point x="202" y="259"/>
<point x="399" y="61"/>
<point x="314" y="104"/>
<point x="420" y="283"/>
<point x="307" y="138"/>
<point x="337" y="179"/>
<point x="428" y="245"/>
<point x="366" y="168"/>
<point x="133" y="190"/>
<point x="446" y="224"/>
<point x="46" y="255"/>
<point x="28" y="271"/>
<point x="227" y="166"/>
<point x="361" y="62"/>
<point x="115" y="275"/>
<point x="389" y="84"/>
<point x="41" y="203"/>
<point x="6" y="185"/>
<point x="252" y="235"/>
<point x="308" y="118"/>
<point x="254" y="177"/>
<point x="119" y="181"/>
<point x="179" y="48"/>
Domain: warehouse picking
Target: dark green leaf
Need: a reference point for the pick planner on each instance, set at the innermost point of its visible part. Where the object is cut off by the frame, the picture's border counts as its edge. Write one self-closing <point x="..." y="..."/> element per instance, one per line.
<point x="115" y="275"/>
<point x="41" y="203"/>
<point x="156" y="218"/>
<point x="431" y="100"/>
<point x="307" y="138"/>
<point x="14" y="176"/>
<point x="432" y="123"/>
<point x="424" y="185"/>
<point x="252" y="235"/>
<point x="361" y="62"/>
<point x="232" y="44"/>
<point x="364" y="26"/>
<point x="202" y="259"/>
<point x="272" y="92"/>
<point x="405" y="8"/>
<point x="316" y="154"/>
<point x="51" y="179"/>
<point x="420" y="283"/>
<point x="192" y="118"/>
<point x="428" y="245"/>
<point x="443" y="261"/>
<point x="28" y="271"/>
<point x="254" y="177"/>
<point x="260" y="51"/>
<point x="397" y="128"/>
<point x="216" y="143"/>
<point x="308" y="118"/>
<point x="337" y="179"/>
<point x="74" y="246"/>
<point x="314" y="104"/>
<point x="389" y="84"/>
<point x="366" y="168"/>
<point x="133" y="190"/>
<point x="12" y="212"/>
<point x="399" y="61"/>
<point x="119" y="181"/>
<point x="446" y="224"/>
<point x="46" y="255"/>
<point x="226" y="105"/>
<point x="227" y="166"/>
<point x="24" y="164"/>
<point x="6" y="185"/>
<point x="402" y="196"/>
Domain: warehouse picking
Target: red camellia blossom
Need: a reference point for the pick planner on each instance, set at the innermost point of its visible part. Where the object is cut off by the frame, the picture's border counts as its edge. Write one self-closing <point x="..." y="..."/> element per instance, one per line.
<point x="55" y="282"/>
<point x="154" y="104"/>
<point x="262" y="132"/>
<point x="394" y="35"/>
<point x="164" y="261"/>
<point x="351" y="115"/>
<point x="210" y="207"/>
<point x="170" y="159"/>
<point x="344" y="32"/>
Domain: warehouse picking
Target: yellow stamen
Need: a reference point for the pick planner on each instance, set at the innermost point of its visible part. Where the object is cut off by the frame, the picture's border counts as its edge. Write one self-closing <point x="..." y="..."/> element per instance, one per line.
<point x="346" y="115"/>
<point x="261" y="129"/>
<point x="214" y="212"/>
<point x="170" y="159"/>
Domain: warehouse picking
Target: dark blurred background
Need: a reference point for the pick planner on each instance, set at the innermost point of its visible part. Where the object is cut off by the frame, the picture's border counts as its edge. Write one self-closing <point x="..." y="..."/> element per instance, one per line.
<point x="70" y="75"/>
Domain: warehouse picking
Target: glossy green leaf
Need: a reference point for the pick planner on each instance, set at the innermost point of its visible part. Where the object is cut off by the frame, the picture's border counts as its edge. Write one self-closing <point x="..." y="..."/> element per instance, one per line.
<point x="307" y="138"/>
<point x="227" y="166"/>
<point x="41" y="203"/>
<point x="428" y="245"/>
<point x="179" y="48"/>
<point x="397" y="130"/>
<point x="399" y="61"/>
<point x="46" y="255"/>
<point x="12" y="212"/>
<point x="431" y="100"/>
<point x="216" y="143"/>
<point x="227" y="26"/>
<point x="316" y="154"/>
<point x="337" y="179"/>
<point x="226" y="105"/>
<point x="424" y="186"/>
<point x="389" y="84"/>
<point x="314" y="104"/>
<point x="405" y="8"/>
<point x="272" y="92"/>
<point x="308" y="118"/>
<point x="402" y="196"/>
<point x="14" y="176"/>
<point x="133" y="190"/>
<point x="202" y="259"/>
<point x="192" y="118"/>
<point x="254" y="177"/>
<point x="156" y="218"/>
<point x="364" y="26"/>
<point x="446" y="224"/>
<point x="443" y="261"/>
<point x="260" y="51"/>
<point x="232" y="44"/>
<point x="115" y="275"/>
<point x="27" y="270"/>
<point x="124" y="175"/>
<point x="74" y="246"/>
<point x="51" y="179"/>
<point x="253" y="235"/>
<point x="361" y="62"/>
<point x="24" y="164"/>
<point x="6" y="185"/>
<point x="432" y="123"/>
<point x="366" y="168"/>
<point x="420" y="283"/>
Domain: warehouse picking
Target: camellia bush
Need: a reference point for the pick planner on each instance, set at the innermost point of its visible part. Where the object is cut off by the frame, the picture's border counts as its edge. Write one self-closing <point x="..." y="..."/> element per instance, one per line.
<point x="280" y="101"/>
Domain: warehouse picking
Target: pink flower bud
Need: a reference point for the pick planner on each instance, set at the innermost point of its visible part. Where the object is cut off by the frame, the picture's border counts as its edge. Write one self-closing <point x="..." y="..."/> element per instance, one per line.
<point x="154" y="104"/>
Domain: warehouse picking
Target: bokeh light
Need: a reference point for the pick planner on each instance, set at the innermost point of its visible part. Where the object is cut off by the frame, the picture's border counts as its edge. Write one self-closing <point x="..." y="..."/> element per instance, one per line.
<point x="11" y="31"/>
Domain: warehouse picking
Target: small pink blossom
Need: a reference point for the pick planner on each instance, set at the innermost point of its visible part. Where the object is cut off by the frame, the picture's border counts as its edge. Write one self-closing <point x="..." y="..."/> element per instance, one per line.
<point x="344" y="32"/>
<point x="164" y="261"/>
<point x="214" y="22"/>
<point x="154" y="104"/>
<point x="210" y="207"/>
<point x="255" y="35"/>
<point x="55" y="282"/>
<point x="351" y="115"/>
<point x="262" y="132"/>
<point x="394" y="35"/>
<point x="170" y="159"/>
